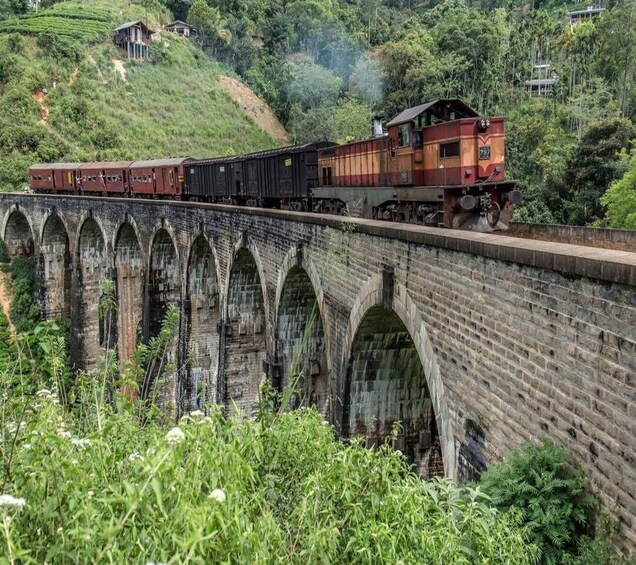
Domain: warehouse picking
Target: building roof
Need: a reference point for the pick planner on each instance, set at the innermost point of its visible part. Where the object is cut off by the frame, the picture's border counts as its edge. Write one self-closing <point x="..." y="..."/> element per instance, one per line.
<point x="588" y="10"/>
<point x="150" y="163"/>
<point x="412" y="113"/>
<point x="131" y="24"/>
<point x="178" y="23"/>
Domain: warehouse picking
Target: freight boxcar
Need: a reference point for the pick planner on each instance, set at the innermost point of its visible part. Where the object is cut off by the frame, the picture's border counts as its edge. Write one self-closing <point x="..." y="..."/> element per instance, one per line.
<point x="278" y="178"/>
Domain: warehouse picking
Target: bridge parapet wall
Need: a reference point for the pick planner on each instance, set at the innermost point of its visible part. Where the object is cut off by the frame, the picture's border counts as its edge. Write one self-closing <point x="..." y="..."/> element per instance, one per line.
<point x="518" y="340"/>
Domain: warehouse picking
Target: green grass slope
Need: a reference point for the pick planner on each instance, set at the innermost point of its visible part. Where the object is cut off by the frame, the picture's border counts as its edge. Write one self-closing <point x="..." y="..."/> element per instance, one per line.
<point x="62" y="99"/>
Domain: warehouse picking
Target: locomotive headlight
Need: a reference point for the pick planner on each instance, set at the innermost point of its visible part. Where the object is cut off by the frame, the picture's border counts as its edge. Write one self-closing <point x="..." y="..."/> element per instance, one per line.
<point x="482" y="123"/>
<point x="487" y="123"/>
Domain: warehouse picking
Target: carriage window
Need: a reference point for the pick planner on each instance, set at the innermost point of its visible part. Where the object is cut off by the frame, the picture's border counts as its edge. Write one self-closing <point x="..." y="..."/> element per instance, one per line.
<point x="449" y="149"/>
<point x="403" y="135"/>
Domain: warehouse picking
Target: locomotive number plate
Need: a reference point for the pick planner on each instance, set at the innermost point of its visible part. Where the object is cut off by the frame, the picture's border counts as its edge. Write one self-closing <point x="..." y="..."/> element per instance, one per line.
<point x="484" y="152"/>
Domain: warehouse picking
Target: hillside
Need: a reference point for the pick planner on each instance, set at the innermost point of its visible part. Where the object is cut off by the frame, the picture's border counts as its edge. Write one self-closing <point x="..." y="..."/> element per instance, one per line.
<point x="67" y="93"/>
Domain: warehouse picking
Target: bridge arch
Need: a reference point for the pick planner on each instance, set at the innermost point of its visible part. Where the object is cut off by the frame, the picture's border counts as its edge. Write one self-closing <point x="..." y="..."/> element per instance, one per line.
<point x="92" y="269"/>
<point x="391" y="373"/>
<point x="129" y="275"/>
<point x="244" y="329"/>
<point x="300" y="343"/>
<point x="202" y="313"/>
<point x="55" y="253"/>
<point x="18" y="233"/>
<point x="163" y="289"/>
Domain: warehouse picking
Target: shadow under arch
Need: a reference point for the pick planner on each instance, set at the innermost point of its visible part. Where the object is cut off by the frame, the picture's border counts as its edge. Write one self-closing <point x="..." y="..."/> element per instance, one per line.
<point x="92" y="269"/>
<point x="18" y="234"/>
<point x="55" y="255"/>
<point x="162" y="290"/>
<point x="202" y="318"/>
<point x="129" y="277"/>
<point x="244" y="333"/>
<point x="392" y="374"/>
<point x="300" y="343"/>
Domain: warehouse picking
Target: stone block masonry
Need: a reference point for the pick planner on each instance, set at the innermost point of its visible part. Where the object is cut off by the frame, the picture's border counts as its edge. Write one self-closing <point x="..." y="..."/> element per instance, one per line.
<point x="474" y="342"/>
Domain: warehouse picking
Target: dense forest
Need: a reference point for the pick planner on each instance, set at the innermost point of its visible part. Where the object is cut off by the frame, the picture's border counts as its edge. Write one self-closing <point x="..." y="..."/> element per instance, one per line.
<point x="328" y="66"/>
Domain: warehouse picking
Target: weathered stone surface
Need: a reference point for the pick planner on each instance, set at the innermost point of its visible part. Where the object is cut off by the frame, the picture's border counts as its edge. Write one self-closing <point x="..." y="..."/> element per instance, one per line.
<point x="516" y="340"/>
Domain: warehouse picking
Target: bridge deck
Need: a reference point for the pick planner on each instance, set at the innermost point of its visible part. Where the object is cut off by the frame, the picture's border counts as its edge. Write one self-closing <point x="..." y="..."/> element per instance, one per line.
<point x="595" y="262"/>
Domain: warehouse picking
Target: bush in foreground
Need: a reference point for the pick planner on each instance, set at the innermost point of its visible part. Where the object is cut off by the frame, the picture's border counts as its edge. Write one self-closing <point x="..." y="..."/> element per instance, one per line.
<point x="218" y="490"/>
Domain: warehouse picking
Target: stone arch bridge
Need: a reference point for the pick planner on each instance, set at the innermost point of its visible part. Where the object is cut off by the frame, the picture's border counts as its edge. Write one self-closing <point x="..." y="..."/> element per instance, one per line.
<point x="474" y="342"/>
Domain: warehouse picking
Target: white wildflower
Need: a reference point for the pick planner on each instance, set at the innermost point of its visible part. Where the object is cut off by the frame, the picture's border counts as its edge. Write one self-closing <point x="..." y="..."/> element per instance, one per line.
<point x="90" y="494"/>
<point x="63" y="433"/>
<point x="81" y="442"/>
<point x="174" y="436"/>
<point x="60" y="530"/>
<point x="205" y="420"/>
<point x="45" y="392"/>
<point x="26" y="446"/>
<point x="135" y="456"/>
<point x="8" y="500"/>
<point x="217" y="494"/>
<point x="197" y="414"/>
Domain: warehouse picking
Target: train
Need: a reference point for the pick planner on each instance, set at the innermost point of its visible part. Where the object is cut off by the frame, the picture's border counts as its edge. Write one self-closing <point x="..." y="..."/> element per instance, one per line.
<point x="437" y="164"/>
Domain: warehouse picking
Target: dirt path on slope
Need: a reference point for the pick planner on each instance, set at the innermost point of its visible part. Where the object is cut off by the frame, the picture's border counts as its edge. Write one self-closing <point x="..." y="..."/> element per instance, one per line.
<point x="119" y="68"/>
<point x="73" y="76"/>
<point x="255" y="108"/>
<point x="40" y="97"/>
<point x="5" y="297"/>
<point x="99" y="72"/>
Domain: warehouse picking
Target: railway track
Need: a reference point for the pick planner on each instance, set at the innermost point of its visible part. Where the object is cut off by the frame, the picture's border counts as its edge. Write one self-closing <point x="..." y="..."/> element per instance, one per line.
<point x="605" y="238"/>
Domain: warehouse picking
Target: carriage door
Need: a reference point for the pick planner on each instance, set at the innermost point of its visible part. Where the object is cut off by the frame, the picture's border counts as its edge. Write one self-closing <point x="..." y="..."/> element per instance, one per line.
<point x="237" y="169"/>
<point x="285" y="176"/>
<point x="405" y="153"/>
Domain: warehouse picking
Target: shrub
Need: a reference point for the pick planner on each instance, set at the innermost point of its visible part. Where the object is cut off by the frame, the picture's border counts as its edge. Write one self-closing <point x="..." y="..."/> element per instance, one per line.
<point x="552" y="496"/>
<point x="24" y="312"/>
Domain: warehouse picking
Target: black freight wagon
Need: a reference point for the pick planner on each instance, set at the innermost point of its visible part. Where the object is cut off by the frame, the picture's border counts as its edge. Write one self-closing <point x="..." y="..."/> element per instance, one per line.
<point x="276" y="178"/>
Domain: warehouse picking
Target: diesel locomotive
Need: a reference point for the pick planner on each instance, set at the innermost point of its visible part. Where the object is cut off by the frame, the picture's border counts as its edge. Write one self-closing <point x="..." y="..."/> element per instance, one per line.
<point x="437" y="164"/>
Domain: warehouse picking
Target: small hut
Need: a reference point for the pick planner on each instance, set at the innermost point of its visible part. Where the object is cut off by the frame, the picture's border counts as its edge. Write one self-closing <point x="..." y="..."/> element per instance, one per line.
<point x="134" y="38"/>
<point x="180" y="28"/>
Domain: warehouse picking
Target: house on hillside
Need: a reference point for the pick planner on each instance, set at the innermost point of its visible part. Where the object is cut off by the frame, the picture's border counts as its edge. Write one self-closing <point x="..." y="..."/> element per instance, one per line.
<point x="134" y="38"/>
<point x="180" y="28"/>
<point x="543" y="79"/>
<point x="589" y="13"/>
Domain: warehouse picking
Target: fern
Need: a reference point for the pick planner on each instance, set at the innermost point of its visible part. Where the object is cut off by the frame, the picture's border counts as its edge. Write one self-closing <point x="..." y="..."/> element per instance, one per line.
<point x="551" y="496"/>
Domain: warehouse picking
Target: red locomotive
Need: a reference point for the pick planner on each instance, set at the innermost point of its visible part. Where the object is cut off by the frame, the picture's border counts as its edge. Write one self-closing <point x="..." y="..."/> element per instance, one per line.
<point x="440" y="164"/>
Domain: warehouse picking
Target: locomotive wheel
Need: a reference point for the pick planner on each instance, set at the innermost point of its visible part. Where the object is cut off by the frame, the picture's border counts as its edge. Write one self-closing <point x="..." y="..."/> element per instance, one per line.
<point x="493" y="214"/>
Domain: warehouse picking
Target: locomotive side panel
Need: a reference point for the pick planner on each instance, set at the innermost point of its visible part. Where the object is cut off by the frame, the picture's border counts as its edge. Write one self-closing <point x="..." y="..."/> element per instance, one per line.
<point x="353" y="164"/>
